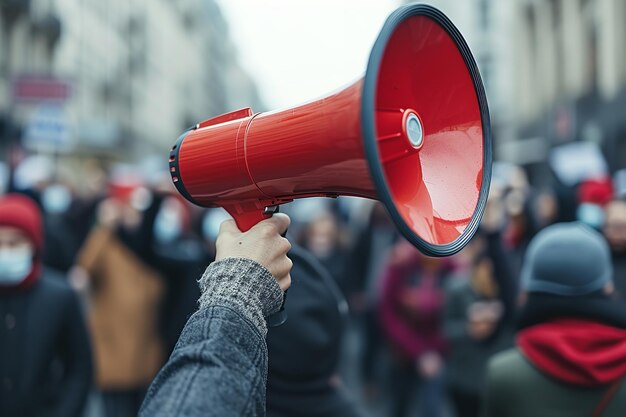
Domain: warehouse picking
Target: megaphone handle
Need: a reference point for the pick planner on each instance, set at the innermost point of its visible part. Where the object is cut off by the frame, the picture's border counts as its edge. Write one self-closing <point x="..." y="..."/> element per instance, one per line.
<point x="280" y="317"/>
<point x="245" y="220"/>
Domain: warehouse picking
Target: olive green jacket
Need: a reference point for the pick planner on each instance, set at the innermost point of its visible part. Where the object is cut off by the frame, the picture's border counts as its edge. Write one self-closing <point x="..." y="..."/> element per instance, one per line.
<point x="515" y="388"/>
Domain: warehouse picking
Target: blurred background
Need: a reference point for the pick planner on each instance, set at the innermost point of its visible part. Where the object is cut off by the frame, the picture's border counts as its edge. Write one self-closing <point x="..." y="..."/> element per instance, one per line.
<point x="94" y="93"/>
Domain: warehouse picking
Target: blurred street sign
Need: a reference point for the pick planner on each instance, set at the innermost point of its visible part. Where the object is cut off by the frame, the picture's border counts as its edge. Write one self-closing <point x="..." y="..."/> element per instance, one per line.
<point x="47" y="128"/>
<point x="38" y="88"/>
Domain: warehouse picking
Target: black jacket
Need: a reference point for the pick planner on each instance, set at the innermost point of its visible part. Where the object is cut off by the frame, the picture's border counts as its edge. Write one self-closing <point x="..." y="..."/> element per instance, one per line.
<point x="45" y="357"/>
<point x="304" y="352"/>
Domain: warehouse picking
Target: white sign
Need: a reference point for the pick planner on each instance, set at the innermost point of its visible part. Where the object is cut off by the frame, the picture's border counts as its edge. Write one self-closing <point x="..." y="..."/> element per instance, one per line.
<point x="578" y="161"/>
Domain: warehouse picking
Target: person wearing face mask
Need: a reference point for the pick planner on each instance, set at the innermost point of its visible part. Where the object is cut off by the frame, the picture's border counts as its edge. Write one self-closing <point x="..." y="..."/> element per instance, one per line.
<point x="45" y="356"/>
<point x="61" y="244"/>
<point x="179" y="257"/>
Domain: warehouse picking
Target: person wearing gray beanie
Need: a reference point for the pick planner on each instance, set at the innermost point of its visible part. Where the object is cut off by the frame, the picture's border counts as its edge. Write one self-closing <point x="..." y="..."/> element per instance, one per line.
<point x="567" y="259"/>
<point x="570" y="354"/>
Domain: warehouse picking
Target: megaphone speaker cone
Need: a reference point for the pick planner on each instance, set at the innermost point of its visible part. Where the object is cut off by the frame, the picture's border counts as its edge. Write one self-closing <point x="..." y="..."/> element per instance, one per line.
<point x="434" y="184"/>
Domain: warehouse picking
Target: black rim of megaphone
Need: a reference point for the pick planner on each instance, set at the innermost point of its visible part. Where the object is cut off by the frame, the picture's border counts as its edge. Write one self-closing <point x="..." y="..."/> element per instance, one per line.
<point x="368" y="124"/>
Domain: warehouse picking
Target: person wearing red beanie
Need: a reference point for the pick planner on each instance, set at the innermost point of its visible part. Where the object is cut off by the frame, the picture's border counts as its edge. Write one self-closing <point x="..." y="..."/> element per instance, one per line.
<point x="45" y="357"/>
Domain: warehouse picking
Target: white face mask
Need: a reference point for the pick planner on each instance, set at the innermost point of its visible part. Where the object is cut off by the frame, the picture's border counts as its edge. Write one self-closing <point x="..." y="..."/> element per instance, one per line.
<point x="15" y="265"/>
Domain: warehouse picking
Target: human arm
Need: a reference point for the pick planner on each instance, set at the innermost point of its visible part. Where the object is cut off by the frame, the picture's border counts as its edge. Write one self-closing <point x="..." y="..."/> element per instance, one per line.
<point x="219" y="365"/>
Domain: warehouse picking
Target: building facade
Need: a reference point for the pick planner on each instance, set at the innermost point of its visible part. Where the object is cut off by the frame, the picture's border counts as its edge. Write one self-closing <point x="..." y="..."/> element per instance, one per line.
<point x="134" y="74"/>
<point x="570" y="80"/>
<point x="554" y="72"/>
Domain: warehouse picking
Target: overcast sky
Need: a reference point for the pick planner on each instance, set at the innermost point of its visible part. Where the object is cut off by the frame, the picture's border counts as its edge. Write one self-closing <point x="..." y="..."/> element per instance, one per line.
<point x="298" y="50"/>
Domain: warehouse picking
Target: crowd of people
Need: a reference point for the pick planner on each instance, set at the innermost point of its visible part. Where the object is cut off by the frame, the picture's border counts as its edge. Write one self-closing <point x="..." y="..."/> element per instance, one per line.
<point x="99" y="277"/>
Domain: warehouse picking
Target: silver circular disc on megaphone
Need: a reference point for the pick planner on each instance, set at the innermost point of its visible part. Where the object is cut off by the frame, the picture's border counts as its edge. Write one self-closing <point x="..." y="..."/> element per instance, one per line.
<point x="433" y="172"/>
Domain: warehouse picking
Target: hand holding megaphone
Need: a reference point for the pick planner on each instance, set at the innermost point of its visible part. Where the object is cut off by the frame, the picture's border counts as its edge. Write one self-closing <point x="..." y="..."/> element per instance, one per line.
<point x="263" y="243"/>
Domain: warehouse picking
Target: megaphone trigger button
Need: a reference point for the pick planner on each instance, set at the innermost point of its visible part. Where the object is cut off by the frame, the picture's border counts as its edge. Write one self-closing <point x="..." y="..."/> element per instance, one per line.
<point x="269" y="210"/>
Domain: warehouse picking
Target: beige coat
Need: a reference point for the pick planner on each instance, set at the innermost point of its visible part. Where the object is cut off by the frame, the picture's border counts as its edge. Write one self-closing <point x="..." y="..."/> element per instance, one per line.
<point x="123" y="312"/>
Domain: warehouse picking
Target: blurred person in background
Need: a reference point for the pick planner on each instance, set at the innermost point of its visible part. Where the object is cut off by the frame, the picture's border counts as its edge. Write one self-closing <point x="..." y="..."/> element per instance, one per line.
<point x="124" y="293"/>
<point x="411" y="310"/>
<point x="544" y="209"/>
<point x="41" y="178"/>
<point x="480" y="302"/>
<point x="324" y="238"/>
<point x="61" y="244"/>
<point x="82" y="213"/>
<point x="178" y="256"/>
<point x="513" y="195"/>
<point x="366" y="263"/>
<point x="31" y="176"/>
<point x="593" y="195"/>
<point x="615" y="233"/>
<point x="570" y="355"/>
<point x="304" y="352"/>
<point x="45" y="358"/>
<point x="473" y="314"/>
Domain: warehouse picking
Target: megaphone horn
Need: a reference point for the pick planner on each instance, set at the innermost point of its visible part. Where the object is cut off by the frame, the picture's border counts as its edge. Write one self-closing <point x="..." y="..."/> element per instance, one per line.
<point x="414" y="133"/>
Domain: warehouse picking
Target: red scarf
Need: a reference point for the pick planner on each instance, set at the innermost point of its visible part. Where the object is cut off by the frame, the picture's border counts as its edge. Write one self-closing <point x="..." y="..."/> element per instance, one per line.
<point x="575" y="351"/>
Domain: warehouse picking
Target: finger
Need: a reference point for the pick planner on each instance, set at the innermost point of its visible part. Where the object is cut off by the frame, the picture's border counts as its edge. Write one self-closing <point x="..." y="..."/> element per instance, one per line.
<point x="282" y="267"/>
<point x="285" y="282"/>
<point x="229" y="226"/>
<point x="279" y="222"/>
<point x="284" y="245"/>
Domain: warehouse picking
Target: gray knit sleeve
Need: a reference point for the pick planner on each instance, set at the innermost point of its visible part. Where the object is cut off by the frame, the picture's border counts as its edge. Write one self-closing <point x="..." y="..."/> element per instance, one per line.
<point x="244" y="285"/>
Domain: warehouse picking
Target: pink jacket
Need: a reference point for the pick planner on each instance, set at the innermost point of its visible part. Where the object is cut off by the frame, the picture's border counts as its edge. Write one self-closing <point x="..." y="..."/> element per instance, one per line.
<point x="411" y="305"/>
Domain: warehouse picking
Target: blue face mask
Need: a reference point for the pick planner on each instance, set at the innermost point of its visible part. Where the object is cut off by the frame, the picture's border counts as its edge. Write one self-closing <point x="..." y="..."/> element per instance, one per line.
<point x="15" y="265"/>
<point x="591" y="214"/>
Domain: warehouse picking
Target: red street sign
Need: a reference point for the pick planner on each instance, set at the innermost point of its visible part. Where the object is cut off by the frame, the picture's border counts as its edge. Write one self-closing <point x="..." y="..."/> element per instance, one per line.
<point x="40" y="88"/>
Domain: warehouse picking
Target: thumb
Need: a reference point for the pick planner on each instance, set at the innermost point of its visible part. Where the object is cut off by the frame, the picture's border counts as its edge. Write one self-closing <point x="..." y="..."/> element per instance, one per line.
<point x="229" y="226"/>
<point x="279" y="221"/>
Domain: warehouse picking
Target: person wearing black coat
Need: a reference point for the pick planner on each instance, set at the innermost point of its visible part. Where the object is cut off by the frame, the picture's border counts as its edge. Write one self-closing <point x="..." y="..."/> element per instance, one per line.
<point x="304" y="352"/>
<point x="45" y="356"/>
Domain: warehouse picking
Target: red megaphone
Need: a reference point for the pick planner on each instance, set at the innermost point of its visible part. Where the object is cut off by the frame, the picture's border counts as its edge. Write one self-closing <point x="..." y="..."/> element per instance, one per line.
<point x="413" y="133"/>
